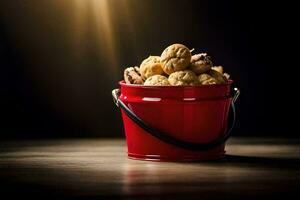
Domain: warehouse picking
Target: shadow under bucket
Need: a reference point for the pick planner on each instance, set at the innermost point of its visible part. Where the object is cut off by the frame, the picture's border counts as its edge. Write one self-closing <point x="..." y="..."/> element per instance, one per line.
<point x="176" y="123"/>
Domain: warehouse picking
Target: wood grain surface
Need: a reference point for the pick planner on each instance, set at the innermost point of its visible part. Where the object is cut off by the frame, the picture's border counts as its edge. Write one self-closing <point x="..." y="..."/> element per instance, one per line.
<point x="253" y="167"/>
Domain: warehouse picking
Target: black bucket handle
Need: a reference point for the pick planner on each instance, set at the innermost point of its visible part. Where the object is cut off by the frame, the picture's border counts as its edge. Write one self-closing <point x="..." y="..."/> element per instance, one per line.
<point x="192" y="146"/>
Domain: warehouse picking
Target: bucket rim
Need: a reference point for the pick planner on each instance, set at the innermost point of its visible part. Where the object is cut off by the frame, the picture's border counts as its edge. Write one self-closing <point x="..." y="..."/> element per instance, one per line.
<point x="123" y="84"/>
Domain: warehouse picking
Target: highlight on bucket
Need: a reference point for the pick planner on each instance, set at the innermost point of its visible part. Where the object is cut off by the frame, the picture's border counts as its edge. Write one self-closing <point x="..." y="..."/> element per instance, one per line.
<point x="175" y="107"/>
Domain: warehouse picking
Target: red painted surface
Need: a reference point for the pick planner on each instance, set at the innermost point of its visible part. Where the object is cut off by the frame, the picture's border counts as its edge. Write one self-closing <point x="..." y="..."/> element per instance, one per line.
<point x="190" y="113"/>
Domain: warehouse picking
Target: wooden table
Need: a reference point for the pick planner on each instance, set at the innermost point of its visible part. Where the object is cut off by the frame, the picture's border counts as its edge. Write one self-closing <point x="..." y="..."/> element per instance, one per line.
<point x="253" y="167"/>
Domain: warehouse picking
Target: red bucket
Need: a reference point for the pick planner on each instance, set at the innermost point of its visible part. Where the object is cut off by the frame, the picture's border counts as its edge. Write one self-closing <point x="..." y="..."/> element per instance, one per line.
<point x="175" y="123"/>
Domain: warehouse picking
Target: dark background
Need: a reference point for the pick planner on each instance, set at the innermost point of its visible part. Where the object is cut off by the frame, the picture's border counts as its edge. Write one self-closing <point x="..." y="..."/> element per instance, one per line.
<point x="60" y="60"/>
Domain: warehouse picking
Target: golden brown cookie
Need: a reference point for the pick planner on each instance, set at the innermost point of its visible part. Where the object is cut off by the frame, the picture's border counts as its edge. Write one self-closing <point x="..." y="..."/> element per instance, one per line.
<point x="218" y="69"/>
<point x="206" y="79"/>
<point x="132" y="76"/>
<point x="151" y="66"/>
<point x="218" y="76"/>
<point x="175" y="57"/>
<point x="157" y="80"/>
<point x="200" y="63"/>
<point x="227" y="76"/>
<point x="186" y="77"/>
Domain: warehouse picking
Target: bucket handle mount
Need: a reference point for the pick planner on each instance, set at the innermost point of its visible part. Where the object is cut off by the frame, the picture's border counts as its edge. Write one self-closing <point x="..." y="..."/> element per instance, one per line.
<point x="192" y="146"/>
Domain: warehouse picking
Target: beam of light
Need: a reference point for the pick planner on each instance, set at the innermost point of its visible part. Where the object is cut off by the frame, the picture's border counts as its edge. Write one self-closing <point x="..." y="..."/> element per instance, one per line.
<point x="96" y="15"/>
<point x="125" y="6"/>
<point x="102" y="15"/>
<point x="80" y="28"/>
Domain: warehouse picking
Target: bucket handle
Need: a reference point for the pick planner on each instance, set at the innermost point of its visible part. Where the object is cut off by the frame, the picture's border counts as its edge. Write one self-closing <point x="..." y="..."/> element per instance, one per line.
<point x="192" y="146"/>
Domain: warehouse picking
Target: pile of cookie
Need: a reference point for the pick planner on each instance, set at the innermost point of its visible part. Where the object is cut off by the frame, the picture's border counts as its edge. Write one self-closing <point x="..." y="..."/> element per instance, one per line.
<point x="176" y="66"/>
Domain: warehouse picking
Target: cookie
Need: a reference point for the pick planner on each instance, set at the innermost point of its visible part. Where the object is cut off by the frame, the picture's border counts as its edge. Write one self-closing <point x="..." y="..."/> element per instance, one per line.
<point x="200" y="63"/>
<point x="227" y="76"/>
<point x="186" y="77"/>
<point x="218" y="69"/>
<point x="157" y="80"/>
<point x="151" y="66"/>
<point x="132" y="76"/>
<point x="218" y="76"/>
<point x="206" y="79"/>
<point x="175" y="57"/>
